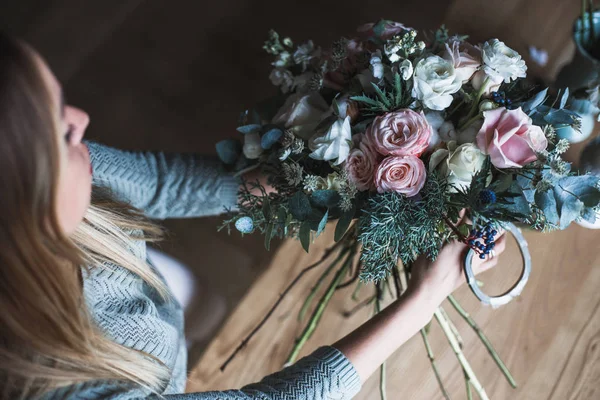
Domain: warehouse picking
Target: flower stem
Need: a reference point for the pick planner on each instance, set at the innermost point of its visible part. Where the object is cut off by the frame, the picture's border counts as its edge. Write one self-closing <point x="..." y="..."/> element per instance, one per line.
<point x="460" y="355"/>
<point x="310" y="327"/>
<point x="468" y="385"/>
<point x="459" y="338"/>
<point x="475" y="106"/>
<point x="488" y="345"/>
<point x="317" y="285"/>
<point x="356" y="291"/>
<point x="433" y="364"/>
<point x="382" y="383"/>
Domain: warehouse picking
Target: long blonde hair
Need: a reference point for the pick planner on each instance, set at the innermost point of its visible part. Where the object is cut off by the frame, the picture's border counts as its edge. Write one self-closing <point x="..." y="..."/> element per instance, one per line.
<point x="48" y="339"/>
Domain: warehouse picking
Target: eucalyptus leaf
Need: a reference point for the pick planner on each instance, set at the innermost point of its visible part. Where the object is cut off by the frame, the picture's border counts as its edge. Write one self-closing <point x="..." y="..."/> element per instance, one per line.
<point x="561" y="117"/>
<point x="325" y="198"/>
<point x="547" y="203"/>
<point x="535" y="101"/>
<point x="343" y="224"/>
<point x="323" y="223"/>
<point x="270" y="138"/>
<point x="252" y="128"/>
<point x="299" y="205"/>
<point x="573" y="194"/>
<point x="229" y="150"/>
<point x="564" y="98"/>
<point x="304" y="235"/>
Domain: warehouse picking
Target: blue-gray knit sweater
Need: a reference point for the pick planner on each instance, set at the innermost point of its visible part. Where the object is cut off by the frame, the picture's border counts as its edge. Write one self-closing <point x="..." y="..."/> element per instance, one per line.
<point x="132" y="314"/>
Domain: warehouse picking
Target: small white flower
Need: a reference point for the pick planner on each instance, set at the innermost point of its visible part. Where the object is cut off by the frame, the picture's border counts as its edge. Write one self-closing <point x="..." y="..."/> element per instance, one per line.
<point x="406" y="69"/>
<point x="435" y="81"/>
<point x="499" y="60"/>
<point x="376" y="67"/>
<point x="335" y="144"/>
<point x="304" y="53"/>
<point x="283" y="78"/>
<point x="252" y="148"/>
<point x="283" y="59"/>
<point x="458" y="164"/>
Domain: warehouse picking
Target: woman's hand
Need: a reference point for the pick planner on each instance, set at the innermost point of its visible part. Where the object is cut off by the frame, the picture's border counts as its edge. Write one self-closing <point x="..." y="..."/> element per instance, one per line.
<point x="256" y="175"/>
<point x="434" y="281"/>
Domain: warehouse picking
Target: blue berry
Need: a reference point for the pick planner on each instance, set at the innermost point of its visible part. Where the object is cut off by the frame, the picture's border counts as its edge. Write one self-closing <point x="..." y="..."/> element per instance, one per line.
<point x="479" y="235"/>
<point x="492" y="245"/>
<point x="244" y="225"/>
<point x="473" y="232"/>
<point x="471" y="242"/>
<point x="494" y="232"/>
<point x="482" y="256"/>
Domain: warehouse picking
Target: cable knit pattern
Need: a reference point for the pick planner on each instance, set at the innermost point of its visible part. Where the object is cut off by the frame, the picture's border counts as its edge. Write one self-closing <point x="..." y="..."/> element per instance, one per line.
<point x="131" y="313"/>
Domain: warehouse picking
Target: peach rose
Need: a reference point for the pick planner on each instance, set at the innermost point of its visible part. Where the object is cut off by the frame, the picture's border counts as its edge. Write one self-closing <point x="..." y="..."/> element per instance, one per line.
<point x="404" y="175"/>
<point x="400" y="133"/>
<point x="362" y="162"/>
<point x="510" y="138"/>
<point x="465" y="57"/>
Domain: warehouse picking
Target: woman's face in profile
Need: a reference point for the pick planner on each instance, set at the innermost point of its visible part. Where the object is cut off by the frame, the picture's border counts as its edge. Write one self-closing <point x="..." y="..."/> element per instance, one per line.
<point x="75" y="176"/>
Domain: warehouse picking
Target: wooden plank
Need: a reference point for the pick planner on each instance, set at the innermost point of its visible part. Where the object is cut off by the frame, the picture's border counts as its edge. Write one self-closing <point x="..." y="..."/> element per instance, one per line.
<point x="530" y="333"/>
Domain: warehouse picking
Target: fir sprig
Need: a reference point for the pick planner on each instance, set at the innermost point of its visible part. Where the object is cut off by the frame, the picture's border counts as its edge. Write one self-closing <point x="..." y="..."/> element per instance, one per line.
<point x="395" y="227"/>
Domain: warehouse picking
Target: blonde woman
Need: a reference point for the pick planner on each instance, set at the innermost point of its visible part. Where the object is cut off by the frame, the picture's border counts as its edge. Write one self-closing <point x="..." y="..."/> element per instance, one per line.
<point x="82" y="313"/>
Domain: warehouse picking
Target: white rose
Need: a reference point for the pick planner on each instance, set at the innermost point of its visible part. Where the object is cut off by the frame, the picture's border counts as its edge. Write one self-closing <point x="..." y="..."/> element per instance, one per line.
<point x="406" y="69"/>
<point x="302" y="113"/>
<point x="458" y="164"/>
<point x="335" y="144"/>
<point x="434" y="82"/>
<point x="252" y="148"/>
<point x="283" y="78"/>
<point x="499" y="60"/>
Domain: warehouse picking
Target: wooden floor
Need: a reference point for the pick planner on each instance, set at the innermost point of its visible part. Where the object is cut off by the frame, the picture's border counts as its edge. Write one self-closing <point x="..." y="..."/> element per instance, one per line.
<point x="175" y="75"/>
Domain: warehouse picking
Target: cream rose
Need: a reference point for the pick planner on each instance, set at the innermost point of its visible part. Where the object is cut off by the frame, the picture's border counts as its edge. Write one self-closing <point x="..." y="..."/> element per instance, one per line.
<point x="404" y="175"/>
<point x="458" y="164"/>
<point x="435" y="80"/>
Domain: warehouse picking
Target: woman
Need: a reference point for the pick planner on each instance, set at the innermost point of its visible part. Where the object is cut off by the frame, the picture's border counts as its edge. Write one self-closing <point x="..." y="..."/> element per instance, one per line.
<point x="83" y="314"/>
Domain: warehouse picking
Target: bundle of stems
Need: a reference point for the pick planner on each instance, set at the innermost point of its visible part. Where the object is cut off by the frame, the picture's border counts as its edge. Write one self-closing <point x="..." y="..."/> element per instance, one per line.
<point x="346" y="263"/>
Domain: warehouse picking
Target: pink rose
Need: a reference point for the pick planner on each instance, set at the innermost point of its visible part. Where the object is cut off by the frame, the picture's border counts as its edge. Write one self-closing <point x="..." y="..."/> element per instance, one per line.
<point x="404" y="175"/>
<point x="390" y="28"/>
<point x="362" y="162"/>
<point x="400" y="133"/>
<point x="510" y="138"/>
<point x="465" y="58"/>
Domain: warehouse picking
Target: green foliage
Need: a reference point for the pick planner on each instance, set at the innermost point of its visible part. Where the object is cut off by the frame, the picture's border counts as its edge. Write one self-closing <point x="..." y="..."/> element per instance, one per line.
<point x="395" y="95"/>
<point x="394" y="227"/>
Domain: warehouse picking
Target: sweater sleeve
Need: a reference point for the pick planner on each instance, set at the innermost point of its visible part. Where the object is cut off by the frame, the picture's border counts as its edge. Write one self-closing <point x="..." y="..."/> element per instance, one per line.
<point x="165" y="185"/>
<point x="326" y="374"/>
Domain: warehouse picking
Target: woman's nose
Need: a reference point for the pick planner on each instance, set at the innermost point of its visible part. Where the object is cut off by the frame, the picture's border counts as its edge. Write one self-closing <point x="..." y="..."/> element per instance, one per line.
<point x="79" y="120"/>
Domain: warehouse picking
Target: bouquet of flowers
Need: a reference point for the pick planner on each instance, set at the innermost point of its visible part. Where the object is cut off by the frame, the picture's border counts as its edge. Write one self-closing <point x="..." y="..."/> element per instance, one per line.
<point x="395" y="137"/>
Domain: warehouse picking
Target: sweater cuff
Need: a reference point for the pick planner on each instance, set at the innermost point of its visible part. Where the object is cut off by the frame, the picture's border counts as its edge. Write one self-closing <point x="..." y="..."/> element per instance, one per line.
<point x="230" y="185"/>
<point x="343" y="368"/>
